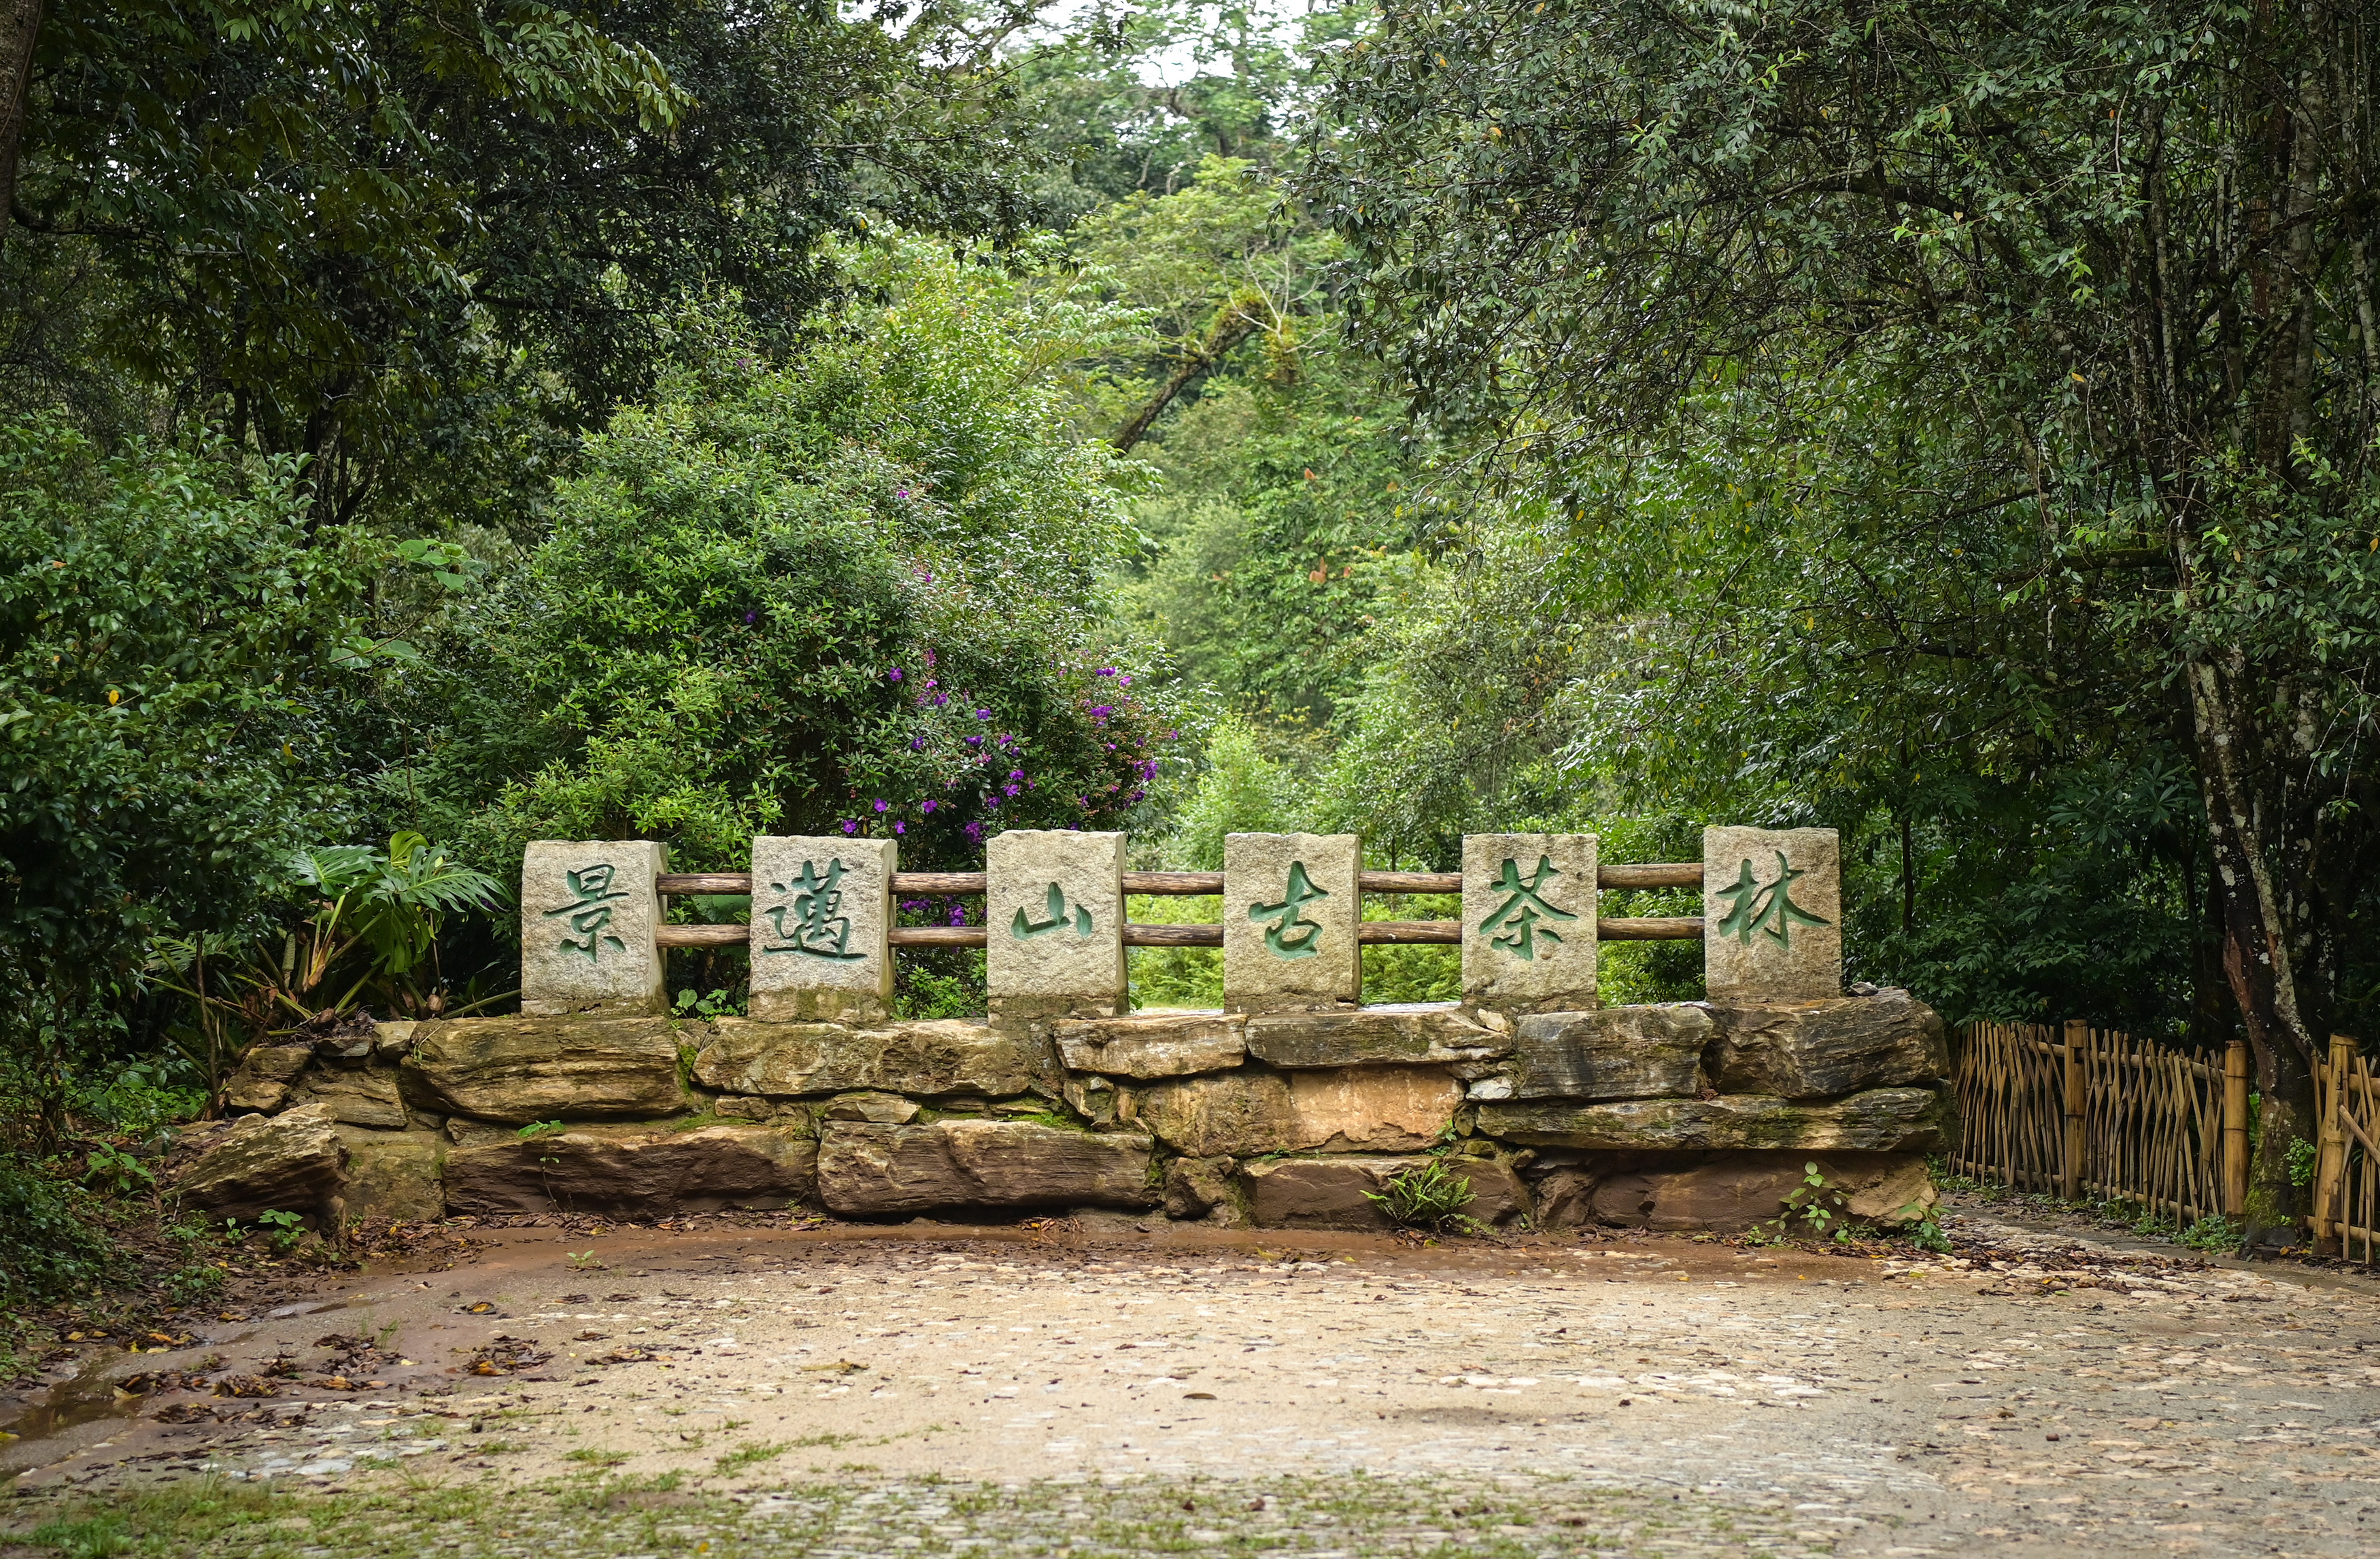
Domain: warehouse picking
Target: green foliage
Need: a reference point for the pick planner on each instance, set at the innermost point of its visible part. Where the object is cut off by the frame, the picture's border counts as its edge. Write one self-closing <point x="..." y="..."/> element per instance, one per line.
<point x="471" y="244"/>
<point x="93" y="1537"/>
<point x="282" y="1231"/>
<point x="48" y="1246"/>
<point x="689" y="1003"/>
<point x="176" y="654"/>
<point x="1428" y="1196"/>
<point x="2303" y="1157"/>
<point x="1240" y="790"/>
<point x="855" y="594"/>
<point x="537" y="1129"/>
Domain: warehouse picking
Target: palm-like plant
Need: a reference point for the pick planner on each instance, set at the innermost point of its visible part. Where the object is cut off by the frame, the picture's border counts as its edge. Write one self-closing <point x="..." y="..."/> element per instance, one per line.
<point x="376" y="912"/>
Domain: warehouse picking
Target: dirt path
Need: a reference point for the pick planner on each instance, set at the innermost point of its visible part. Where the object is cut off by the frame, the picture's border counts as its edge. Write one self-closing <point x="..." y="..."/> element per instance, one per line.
<point x="944" y="1389"/>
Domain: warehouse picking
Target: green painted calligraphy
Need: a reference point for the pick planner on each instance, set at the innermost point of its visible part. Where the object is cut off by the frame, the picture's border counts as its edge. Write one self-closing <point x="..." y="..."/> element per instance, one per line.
<point x="1290" y="935"/>
<point x="1025" y="927"/>
<point x="589" y="910"/>
<point x="1765" y="907"/>
<point x="1524" y="906"/>
<point x="820" y="929"/>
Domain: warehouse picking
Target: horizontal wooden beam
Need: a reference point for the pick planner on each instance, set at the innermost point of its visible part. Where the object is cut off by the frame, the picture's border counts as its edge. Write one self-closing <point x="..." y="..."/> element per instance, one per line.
<point x="1675" y="874"/>
<point x="701" y="935"/>
<point x="1371" y="933"/>
<point x="1649" y="928"/>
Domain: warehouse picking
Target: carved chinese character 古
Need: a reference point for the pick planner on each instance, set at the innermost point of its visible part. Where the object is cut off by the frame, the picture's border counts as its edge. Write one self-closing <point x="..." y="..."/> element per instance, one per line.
<point x="1290" y="935"/>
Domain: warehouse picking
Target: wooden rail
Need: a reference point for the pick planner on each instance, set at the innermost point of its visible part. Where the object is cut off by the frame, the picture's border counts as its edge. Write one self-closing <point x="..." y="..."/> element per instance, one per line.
<point x="1370" y="933"/>
<point x="1665" y="873"/>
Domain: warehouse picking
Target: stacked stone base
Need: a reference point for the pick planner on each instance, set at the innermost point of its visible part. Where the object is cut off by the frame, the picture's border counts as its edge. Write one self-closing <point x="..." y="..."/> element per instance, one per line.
<point x="1684" y="1117"/>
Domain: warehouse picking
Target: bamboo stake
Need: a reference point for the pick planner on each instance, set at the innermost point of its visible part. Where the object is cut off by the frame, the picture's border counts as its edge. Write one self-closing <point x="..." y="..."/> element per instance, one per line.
<point x="2330" y="1154"/>
<point x="2078" y="1037"/>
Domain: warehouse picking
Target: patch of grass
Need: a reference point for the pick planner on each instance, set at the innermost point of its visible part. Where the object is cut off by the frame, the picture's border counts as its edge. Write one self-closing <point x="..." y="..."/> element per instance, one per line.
<point x="596" y="1455"/>
<point x="96" y="1537"/>
<point x="748" y="1455"/>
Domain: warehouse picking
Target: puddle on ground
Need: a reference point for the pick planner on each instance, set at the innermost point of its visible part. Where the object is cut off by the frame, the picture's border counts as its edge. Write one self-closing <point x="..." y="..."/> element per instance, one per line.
<point x="87" y="1396"/>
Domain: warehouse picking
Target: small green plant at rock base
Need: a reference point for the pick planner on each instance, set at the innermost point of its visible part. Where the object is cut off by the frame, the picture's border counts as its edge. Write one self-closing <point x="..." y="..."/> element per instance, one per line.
<point x="1924" y="1227"/>
<point x="2214" y="1232"/>
<point x="2302" y="1158"/>
<point x="282" y="1229"/>
<point x="118" y="1170"/>
<point x="537" y="1129"/>
<point x="1430" y="1196"/>
<point x="718" y="1004"/>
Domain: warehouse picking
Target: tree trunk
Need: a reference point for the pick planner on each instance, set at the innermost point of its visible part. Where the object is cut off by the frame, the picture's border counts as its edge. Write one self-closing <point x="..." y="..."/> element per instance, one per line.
<point x="2264" y="831"/>
<point x="1236" y="323"/>
<point x="20" y="25"/>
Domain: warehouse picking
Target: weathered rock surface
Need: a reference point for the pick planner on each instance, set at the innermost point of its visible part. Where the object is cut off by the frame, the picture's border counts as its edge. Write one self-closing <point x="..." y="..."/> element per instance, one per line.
<point x="1354" y="1110"/>
<point x="289" y="1163"/>
<point x="1882" y="1119"/>
<point x="884" y="1109"/>
<point x="1332" y="1192"/>
<point x="359" y="1098"/>
<point x="1820" y="1049"/>
<point x="1195" y="1188"/>
<point x="1616" y="1053"/>
<point x="394" y="1174"/>
<point x="521" y="1069"/>
<point x="924" y="1059"/>
<point x="263" y="1079"/>
<point x="868" y="1170"/>
<point x="1153" y="1044"/>
<point x="1732" y="1194"/>
<point x="393" y="1039"/>
<point x="1566" y="1198"/>
<point x="623" y="1171"/>
<point x="1416" y="1035"/>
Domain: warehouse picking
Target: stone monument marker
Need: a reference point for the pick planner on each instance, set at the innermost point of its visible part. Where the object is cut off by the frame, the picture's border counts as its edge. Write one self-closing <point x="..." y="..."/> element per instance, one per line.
<point x="1054" y="923"/>
<point x="1528" y="921"/>
<point x="587" y="913"/>
<point x="821" y="913"/>
<point x="1772" y="914"/>
<point x="1291" y="907"/>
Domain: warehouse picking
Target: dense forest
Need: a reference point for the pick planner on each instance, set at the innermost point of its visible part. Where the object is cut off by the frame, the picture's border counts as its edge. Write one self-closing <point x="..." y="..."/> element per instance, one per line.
<point x="425" y="428"/>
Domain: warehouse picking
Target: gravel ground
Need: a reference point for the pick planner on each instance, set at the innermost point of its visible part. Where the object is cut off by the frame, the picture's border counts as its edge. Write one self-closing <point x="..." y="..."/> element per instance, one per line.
<point x="1103" y="1390"/>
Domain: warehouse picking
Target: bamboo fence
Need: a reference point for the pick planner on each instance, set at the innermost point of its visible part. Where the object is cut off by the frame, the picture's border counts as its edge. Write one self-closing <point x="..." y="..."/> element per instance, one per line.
<point x="2080" y="1111"/>
<point x="2346" y="1164"/>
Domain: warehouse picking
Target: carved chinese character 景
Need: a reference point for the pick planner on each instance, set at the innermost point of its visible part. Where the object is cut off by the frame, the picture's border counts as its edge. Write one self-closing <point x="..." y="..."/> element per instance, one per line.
<point x="589" y="912"/>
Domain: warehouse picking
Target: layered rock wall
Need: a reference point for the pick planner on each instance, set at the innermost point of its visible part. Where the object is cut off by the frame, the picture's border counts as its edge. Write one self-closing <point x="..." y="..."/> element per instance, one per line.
<point x="1684" y="1116"/>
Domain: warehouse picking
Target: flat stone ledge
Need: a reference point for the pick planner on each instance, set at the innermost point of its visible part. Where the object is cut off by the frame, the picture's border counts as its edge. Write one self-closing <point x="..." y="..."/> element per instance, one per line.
<point x="866" y="1171"/>
<point x="625" y="1171"/>
<point x="1611" y="1053"/>
<point x="1153" y="1044"/>
<point x="936" y="1060"/>
<point x="1335" y="1191"/>
<point x="516" y="1070"/>
<point x="1822" y="1049"/>
<point x="1419" y="1034"/>
<point x="1880" y="1120"/>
